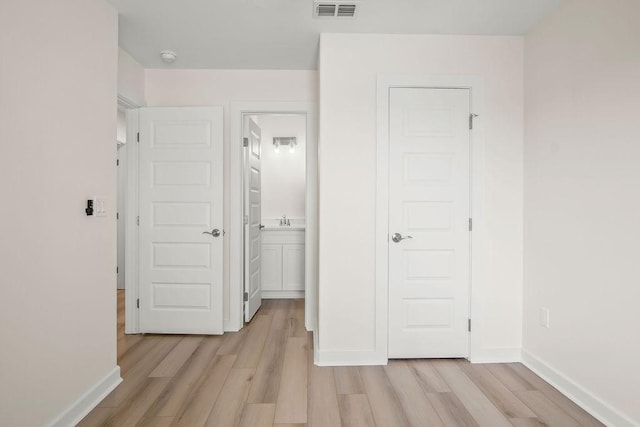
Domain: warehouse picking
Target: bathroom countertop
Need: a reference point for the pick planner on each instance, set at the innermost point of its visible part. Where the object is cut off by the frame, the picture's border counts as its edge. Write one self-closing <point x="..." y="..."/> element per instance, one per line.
<point x="273" y="224"/>
<point x="283" y="228"/>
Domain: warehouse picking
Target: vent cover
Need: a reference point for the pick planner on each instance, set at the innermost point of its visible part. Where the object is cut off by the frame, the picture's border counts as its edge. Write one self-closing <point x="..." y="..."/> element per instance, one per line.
<point x="324" y="9"/>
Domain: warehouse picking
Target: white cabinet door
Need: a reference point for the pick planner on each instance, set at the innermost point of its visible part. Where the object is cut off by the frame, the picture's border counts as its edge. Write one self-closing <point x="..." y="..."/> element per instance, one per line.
<point x="180" y="199"/>
<point x="283" y="263"/>
<point x="429" y="200"/>
<point x="252" y="207"/>
<point x="271" y="267"/>
<point x="293" y="267"/>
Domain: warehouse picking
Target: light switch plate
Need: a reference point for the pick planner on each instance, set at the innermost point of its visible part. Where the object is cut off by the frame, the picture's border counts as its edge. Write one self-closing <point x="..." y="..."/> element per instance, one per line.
<point x="100" y="206"/>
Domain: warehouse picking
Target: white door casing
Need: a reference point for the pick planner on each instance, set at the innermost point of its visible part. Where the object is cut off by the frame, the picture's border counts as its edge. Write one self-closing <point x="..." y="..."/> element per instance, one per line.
<point x="121" y="213"/>
<point x="429" y="190"/>
<point x="253" y="226"/>
<point x="180" y="220"/>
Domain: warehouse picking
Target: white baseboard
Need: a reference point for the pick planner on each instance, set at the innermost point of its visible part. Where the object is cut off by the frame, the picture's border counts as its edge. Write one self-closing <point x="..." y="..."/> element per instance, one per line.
<point x="582" y="397"/>
<point x="348" y="358"/>
<point x="89" y="400"/>
<point x="496" y="355"/>
<point x="315" y="348"/>
<point x="362" y="358"/>
<point x="282" y="294"/>
<point x="231" y="326"/>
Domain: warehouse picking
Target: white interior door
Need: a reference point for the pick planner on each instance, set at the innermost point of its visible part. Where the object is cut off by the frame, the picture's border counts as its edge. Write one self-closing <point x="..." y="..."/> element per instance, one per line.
<point x="180" y="224"/>
<point x="253" y="226"/>
<point x="428" y="222"/>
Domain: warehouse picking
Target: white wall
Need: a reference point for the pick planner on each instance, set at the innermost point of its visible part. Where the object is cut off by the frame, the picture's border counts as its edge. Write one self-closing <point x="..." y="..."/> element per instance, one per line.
<point x="283" y="173"/>
<point x="347" y="150"/>
<point x="582" y="199"/>
<point x="58" y="85"/>
<point x="130" y="78"/>
<point x="222" y="87"/>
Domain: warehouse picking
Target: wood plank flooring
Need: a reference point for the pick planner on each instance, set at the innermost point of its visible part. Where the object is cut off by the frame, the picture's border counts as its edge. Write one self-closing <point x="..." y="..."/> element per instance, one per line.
<point x="264" y="376"/>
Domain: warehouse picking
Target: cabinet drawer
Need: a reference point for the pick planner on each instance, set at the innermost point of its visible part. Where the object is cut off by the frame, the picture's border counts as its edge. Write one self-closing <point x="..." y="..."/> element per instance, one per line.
<point x="283" y="236"/>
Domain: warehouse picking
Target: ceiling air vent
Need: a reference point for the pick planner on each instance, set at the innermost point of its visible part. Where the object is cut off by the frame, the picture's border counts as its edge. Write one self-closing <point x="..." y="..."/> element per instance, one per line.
<point x="330" y="9"/>
<point x="326" y="10"/>
<point x="346" y="10"/>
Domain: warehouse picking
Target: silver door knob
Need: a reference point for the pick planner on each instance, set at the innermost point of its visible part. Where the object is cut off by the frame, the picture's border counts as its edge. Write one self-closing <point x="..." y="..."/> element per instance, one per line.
<point x="397" y="237"/>
<point x="215" y="232"/>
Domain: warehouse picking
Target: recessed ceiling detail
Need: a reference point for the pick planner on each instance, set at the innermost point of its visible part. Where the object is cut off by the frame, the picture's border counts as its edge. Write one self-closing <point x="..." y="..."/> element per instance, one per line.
<point x="323" y="9"/>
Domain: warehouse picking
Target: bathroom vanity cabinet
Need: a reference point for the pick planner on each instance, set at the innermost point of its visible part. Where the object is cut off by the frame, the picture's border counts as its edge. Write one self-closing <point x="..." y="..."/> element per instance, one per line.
<point x="282" y="262"/>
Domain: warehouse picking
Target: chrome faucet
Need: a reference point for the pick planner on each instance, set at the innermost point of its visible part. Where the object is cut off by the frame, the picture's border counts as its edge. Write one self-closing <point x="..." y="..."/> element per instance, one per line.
<point x="284" y="220"/>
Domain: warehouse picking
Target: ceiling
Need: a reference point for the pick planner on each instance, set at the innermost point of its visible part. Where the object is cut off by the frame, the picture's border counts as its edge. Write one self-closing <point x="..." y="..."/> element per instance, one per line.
<point x="282" y="34"/>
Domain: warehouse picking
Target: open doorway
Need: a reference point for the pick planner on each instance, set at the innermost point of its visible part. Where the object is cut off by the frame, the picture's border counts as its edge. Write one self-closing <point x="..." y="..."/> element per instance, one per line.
<point x="121" y="195"/>
<point x="274" y="189"/>
<point x="123" y="136"/>
<point x="305" y="254"/>
<point x="121" y="164"/>
<point x="125" y="199"/>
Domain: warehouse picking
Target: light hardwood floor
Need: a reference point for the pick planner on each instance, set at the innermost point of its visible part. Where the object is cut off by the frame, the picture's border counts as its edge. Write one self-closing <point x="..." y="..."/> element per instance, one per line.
<point x="264" y="376"/>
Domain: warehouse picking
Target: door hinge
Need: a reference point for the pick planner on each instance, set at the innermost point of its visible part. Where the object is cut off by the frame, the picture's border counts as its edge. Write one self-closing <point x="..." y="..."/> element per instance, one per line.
<point x="138" y="303"/>
<point x="469" y="325"/>
<point x="117" y="162"/>
<point x="470" y="224"/>
<point x="471" y="117"/>
<point x="245" y="142"/>
<point x="138" y="136"/>
<point x="117" y="270"/>
<point x="138" y="220"/>
<point x="246" y="219"/>
<point x="246" y="296"/>
<point x="117" y="215"/>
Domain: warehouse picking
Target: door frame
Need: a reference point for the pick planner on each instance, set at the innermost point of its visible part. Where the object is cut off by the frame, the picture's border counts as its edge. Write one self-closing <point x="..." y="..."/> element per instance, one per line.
<point x="131" y="319"/>
<point x="121" y="209"/>
<point x="131" y="291"/>
<point x="238" y="110"/>
<point x="477" y="239"/>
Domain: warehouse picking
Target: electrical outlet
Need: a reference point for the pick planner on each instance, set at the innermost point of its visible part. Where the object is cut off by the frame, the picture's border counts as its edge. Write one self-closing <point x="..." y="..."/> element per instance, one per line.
<point x="544" y="317"/>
